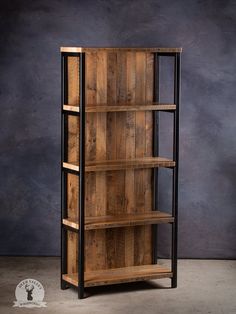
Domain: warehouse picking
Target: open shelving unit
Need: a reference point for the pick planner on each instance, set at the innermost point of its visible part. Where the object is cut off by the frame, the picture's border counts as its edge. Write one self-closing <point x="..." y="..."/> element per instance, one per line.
<point x="109" y="165"/>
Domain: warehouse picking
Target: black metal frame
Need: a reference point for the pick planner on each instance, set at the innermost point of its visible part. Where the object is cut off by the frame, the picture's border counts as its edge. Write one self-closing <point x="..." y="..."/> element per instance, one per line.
<point x="175" y="170"/>
<point x="174" y="253"/>
<point x="81" y="177"/>
<point x="64" y="119"/>
<point x="64" y="155"/>
<point x="156" y="98"/>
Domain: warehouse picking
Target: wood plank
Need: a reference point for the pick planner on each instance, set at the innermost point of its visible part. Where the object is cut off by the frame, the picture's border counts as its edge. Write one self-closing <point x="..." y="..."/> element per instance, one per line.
<point x="140" y="142"/>
<point x="73" y="155"/>
<point x="90" y="154"/>
<point x="120" y="275"/>
<point x="148" y="178"/>
<point x="122" y="220"/>
<point x="72" y="256"/>
<point x="121" y="94"/>
<point x="120" y="130"/>
<point x="139" y="163"/>
<point x="71" y="108"/>
<point x="111" y="139"/>
<point x="101" y="197"/>
<point x="101" y="132"/>
<point x="115" y="49"/>
<point x="90" y="132"/>
<point x="130" y="154"/>
<point x="118" y="108"/>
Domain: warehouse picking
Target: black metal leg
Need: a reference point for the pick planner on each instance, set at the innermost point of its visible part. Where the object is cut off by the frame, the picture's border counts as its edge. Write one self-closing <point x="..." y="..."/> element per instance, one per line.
<point x="156" y="98"/>
<point x="175" y="170"/>
<point x="81" y="178"/>
<point x="63" y="257"/>
<point x="64" y="84"/>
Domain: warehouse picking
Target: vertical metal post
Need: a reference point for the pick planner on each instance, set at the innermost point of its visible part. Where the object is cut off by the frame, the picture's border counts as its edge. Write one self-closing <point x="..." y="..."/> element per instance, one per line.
<point x="156" y="98"/>
<point x="81" y="176"/>
<point x="64" y="98"/>
<point x="177" y="81"/>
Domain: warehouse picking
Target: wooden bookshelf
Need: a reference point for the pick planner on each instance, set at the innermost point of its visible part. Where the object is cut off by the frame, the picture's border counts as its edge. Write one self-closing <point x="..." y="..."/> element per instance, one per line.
<point x="110" y="161"/>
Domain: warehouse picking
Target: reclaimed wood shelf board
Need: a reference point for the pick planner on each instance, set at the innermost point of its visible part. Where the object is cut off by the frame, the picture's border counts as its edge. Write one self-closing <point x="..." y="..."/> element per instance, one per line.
<point x="114" y="49"/>
<point x="125" y="220"/>
<point x="120" y="108"/>
<point x="109" y="165"/>
<point x="120" y="275"/>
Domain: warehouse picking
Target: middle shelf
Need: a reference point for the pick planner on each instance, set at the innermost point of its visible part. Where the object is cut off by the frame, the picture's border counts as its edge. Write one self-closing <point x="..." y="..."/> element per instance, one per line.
<point x="119" y="164"/>
<point x="121" y="107"/>
<point x="121" y="220"/>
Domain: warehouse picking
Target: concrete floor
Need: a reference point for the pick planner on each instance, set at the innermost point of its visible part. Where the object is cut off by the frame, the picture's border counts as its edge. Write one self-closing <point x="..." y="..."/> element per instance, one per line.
<point x="204" y="287"/>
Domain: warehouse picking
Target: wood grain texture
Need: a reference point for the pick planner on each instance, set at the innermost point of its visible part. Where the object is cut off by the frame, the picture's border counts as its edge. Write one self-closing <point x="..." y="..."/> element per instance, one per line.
<point x="90" y="153"/>
<point x="121" y="97"/>
<point x="72" y="256"/>
<point x="148" y="178"/>
<point x="101" y="179"/>
<point x="130" y="154"/>
<point x="111" y="143"/>
<point x="140" y="140"/>
<point x="120" y="275"/>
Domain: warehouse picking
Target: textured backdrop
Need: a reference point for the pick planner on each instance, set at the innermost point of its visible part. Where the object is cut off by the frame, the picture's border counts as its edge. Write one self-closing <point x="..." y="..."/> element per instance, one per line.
<point x="31" y="34"/>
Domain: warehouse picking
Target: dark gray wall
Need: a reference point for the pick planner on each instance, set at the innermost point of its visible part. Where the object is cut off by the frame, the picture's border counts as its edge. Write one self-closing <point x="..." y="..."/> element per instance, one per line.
<point x="31" y="34"/>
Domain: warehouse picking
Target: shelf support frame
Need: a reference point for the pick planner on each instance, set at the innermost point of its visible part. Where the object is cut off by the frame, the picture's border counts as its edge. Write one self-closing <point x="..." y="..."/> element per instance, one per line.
<point x="82" y="103"/>
<point x="156" y="98"/>
<point x="64" y="153"/>
<point x="174" y="251"/>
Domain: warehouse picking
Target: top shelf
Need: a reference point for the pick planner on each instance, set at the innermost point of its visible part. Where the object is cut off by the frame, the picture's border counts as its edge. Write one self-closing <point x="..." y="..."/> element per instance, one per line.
<point x="123" y="107"/>
<point x="110" y="49"/>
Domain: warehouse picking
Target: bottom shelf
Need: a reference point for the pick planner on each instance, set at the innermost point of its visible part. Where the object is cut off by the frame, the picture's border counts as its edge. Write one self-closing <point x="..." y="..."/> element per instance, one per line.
<point x="120" y="275"/>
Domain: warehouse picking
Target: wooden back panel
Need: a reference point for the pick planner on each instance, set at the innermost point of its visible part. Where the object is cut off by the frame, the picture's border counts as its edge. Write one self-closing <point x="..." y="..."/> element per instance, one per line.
<point x="114" y="78"/>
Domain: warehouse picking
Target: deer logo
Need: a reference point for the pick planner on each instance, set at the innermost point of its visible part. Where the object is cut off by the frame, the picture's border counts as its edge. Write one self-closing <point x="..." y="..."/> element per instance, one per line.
<point x="29" y="293"/>
<point x="29" y="289"/>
